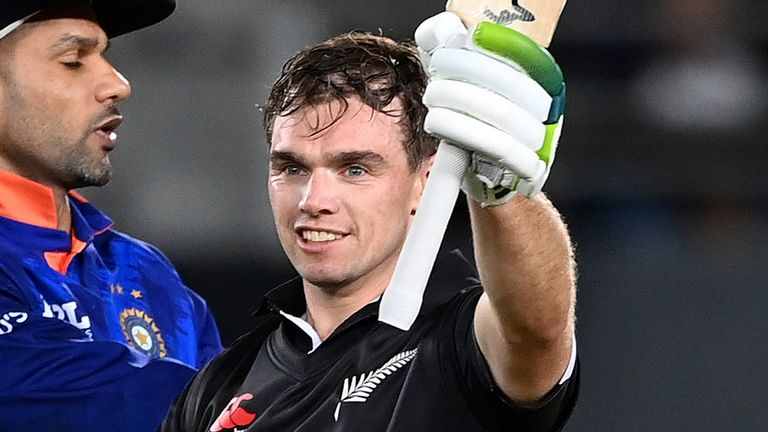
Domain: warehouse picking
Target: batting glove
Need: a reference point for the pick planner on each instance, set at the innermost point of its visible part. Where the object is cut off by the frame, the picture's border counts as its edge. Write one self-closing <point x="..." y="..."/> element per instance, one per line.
<point x="494" y="92"/>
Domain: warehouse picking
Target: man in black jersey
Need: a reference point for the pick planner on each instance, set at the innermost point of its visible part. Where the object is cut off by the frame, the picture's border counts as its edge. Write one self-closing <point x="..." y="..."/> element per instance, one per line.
<point x="349" y="157"/>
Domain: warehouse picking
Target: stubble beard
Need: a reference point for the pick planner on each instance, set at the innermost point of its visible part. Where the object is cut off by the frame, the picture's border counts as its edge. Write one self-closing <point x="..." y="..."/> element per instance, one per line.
<point x="73" y="166"/>
<point x="81" y="168"/>
<point x="328" y="283"/>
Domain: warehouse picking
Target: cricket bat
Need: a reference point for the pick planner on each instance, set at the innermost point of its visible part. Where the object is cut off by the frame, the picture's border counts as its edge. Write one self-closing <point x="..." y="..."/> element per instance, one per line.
<point x="401" y="302"/>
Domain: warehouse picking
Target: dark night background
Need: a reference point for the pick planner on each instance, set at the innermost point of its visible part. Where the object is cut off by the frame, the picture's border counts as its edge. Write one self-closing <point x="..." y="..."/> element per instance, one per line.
<point x="661" y="177"/>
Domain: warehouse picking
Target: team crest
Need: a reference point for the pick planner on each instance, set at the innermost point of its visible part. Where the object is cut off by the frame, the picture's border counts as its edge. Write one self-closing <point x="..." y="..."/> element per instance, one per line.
<point x="359" y="389"/>
<point x="142" y="333"/>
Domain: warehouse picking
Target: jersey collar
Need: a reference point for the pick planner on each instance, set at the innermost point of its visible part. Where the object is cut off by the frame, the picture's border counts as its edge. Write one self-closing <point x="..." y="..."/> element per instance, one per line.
<point x="32" y="205"/>
<point x="452" y="273"/>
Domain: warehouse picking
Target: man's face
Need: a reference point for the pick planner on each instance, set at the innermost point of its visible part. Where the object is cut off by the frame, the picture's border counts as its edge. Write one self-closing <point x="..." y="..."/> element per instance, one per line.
<point x="342" y="200"/>
<point x="57" y="103"/>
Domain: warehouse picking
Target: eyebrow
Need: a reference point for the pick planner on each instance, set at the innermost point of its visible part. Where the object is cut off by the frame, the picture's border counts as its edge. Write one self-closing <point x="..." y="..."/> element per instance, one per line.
<point x="75" y="41"/>
<point x="364" y="157"/>
<point x="283" y="156"/>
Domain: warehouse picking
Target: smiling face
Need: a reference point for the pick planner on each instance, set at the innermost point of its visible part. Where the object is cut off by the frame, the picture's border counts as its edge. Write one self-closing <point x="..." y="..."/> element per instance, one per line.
<point x="57" y="101"/>
<point x="343" y="198"/>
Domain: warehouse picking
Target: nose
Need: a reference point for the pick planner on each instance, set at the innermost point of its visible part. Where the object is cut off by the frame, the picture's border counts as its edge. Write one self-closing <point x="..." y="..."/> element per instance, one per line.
<point x="320" y="195"/>
<point x="113" y="87"/>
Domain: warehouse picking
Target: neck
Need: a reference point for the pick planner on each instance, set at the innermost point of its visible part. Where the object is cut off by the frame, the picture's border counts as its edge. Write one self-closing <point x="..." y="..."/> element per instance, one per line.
<point x="63" y="212"/>
<point x="327" y="309"/>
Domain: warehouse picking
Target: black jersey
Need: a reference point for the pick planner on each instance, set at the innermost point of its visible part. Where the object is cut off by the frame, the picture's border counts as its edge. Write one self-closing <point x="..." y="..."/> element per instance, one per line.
<point x="366" y="376"/>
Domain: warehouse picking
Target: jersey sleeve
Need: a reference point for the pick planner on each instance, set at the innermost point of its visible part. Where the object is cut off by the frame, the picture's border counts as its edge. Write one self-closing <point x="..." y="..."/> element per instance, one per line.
<point x="489" y="402"/>
<point x="57" y="378"/>
<point x="202" y="319"/>
<point x="209" y="341"/>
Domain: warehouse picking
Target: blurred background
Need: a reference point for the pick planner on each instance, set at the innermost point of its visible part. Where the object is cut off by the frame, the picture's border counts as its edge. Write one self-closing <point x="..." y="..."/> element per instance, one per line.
<point x="662" y="177"/>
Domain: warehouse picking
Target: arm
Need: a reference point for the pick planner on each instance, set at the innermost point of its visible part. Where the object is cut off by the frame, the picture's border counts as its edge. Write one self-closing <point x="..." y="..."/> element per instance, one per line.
<point x="75" y="385"/>
<point x="524" y="321"/>
<point x="56" y="378"/>
<point x="496" y="94"/>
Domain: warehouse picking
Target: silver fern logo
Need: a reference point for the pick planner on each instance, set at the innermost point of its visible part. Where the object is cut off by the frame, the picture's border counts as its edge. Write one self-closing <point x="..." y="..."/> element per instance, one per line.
<point x="506" y="16"/>
<point x="359" y="389"/>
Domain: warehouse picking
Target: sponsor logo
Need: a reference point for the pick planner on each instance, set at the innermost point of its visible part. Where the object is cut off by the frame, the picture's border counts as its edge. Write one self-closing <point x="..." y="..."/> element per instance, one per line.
<point x="507" y="16"/>
<point x="234" y="416"/>
<point x="8" y="320"/>
<point x="359" y="389"/>
<point x="142" y="333"/>
<point x="68" y="312"/>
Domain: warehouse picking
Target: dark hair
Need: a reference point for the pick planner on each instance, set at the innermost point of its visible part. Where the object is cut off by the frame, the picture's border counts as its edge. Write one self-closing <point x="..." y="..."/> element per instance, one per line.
<point x="374" y="68"/>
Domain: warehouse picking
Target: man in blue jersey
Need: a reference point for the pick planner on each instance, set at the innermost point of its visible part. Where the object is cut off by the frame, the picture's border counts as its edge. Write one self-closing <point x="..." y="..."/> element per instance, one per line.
<point x="97" y="331"/>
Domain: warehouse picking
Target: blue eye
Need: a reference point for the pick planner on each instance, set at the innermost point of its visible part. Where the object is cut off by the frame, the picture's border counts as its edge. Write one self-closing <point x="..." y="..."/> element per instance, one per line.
<point x="356" y="171"/>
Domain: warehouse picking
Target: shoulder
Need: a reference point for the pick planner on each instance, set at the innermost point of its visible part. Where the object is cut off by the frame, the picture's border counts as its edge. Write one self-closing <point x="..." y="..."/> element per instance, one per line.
<point x="14" y="257"/>
<point x="115" y="242"/>
<point x="212" y="388"/>
<point x="18" y="273"/>
<point x="113" y="237"/>
<point x="12" y="279"/>
<point x="236" y="360"/>
<point x="452" y="282"/>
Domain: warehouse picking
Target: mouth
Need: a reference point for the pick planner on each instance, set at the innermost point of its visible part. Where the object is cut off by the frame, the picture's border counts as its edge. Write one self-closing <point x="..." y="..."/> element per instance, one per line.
<point x="316" y="236"/>
<point x="106" y="130"/>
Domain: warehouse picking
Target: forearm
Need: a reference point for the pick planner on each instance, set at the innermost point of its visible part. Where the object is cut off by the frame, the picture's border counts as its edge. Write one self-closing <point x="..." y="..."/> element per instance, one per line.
<point x="524" y="257"/>
<point x="524" y="324"/>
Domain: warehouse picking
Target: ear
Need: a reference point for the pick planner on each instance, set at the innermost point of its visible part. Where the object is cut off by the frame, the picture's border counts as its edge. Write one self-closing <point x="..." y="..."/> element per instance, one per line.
<point x="420" y="182"/>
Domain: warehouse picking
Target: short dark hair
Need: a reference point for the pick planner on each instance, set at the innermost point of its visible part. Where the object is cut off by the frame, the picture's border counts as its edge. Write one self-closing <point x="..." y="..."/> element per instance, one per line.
<point x="374" y="68"/>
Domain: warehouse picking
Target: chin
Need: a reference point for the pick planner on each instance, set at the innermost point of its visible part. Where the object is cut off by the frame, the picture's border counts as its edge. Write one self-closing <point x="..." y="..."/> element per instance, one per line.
<point x="95" y="177"/>
<point x="328" y="282"/>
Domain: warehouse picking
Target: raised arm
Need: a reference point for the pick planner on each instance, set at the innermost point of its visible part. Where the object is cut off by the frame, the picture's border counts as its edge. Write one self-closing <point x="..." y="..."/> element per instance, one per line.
<point x="498" y="95"/>
<point x="524" y="322"/>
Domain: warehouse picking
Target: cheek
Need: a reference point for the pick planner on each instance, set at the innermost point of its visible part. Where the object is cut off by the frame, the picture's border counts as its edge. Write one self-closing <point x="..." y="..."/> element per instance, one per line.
<point x="283" y="201"/>
<point x="283" y="220"/>
<point x="44" y="115"/>
<point x="275" y="200"/>
<point x="393" y="209"/>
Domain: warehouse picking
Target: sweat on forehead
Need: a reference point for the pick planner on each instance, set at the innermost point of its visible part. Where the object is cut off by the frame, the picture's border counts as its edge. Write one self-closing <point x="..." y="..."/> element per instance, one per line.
<point x="318" y="117"/>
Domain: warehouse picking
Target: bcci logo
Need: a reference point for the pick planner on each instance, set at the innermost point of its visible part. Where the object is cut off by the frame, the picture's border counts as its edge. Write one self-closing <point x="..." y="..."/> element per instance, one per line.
<point x="507" y="16"/>
<point x="142" y="333"/>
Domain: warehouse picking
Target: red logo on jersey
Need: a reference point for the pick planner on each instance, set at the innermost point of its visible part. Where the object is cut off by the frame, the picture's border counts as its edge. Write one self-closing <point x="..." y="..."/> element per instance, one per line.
<point x="234" y="415"/>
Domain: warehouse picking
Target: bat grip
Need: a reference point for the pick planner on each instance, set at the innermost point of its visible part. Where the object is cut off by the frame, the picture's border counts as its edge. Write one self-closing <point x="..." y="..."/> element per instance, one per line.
<point x="402" y="300"/>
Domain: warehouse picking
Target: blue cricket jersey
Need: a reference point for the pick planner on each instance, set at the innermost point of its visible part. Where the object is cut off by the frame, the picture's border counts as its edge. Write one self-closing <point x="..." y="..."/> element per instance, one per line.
<point x="97" y="330"/>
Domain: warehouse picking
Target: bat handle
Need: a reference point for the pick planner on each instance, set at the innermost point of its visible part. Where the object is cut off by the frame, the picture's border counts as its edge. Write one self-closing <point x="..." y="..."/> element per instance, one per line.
<point x="402" y="300"/>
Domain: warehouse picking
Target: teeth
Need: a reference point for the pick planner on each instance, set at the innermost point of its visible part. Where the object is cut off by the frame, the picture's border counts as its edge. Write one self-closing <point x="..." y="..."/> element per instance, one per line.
<point x="319" y="236"/>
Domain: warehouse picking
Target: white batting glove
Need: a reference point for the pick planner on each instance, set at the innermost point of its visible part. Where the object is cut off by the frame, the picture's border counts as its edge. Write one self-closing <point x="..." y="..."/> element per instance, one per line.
<point x="496" y="93"/>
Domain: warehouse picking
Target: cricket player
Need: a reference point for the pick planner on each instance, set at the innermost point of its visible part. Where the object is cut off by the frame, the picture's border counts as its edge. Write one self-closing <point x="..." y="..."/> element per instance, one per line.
<point x="351" y="126"/>
<point x="97" y="331"/>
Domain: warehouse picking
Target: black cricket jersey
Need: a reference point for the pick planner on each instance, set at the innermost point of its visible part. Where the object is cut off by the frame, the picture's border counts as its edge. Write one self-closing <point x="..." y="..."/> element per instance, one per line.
<point x="366" y="376"/>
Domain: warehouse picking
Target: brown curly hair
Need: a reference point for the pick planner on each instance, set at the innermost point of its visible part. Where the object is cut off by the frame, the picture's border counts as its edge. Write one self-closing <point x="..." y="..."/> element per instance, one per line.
<point x="374" y="68"/>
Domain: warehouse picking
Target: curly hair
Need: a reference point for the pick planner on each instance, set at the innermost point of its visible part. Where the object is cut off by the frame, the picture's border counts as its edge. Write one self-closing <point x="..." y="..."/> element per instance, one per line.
<point x="373" y="68"/>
